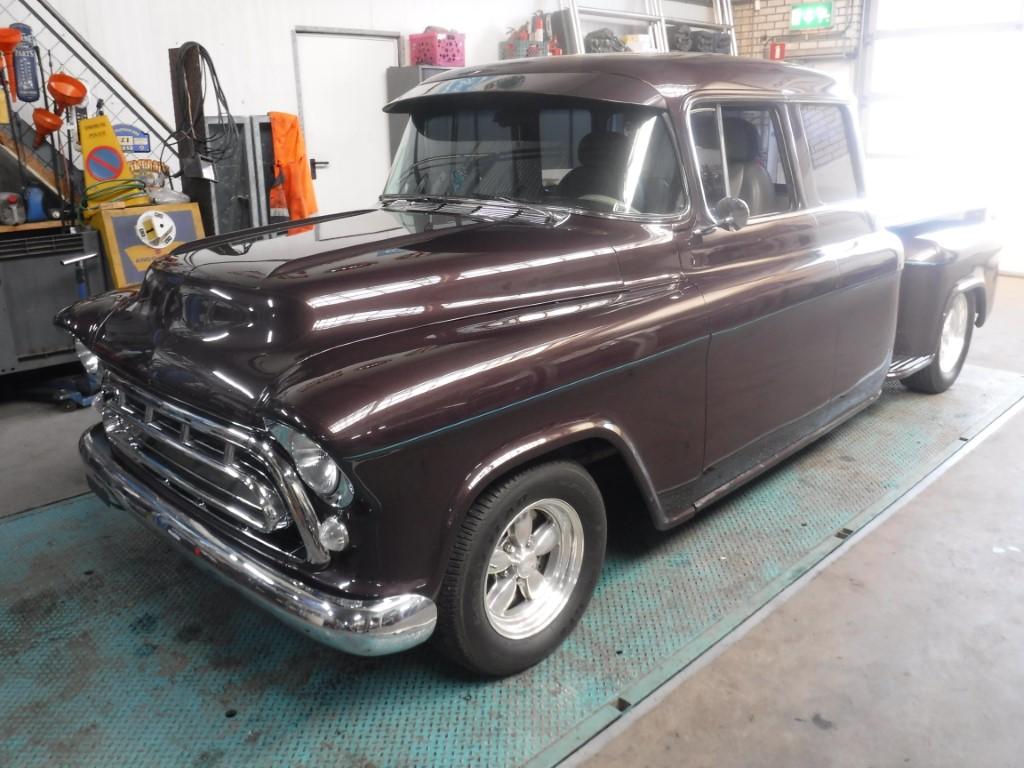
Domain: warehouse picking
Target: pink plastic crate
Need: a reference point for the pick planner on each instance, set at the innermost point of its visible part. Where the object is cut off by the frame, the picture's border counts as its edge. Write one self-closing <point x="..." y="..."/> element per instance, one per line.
<point x="438" y="48"/>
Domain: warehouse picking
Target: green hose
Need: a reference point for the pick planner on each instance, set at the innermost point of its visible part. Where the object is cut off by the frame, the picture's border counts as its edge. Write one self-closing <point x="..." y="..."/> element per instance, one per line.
<point x="112" y="191"/>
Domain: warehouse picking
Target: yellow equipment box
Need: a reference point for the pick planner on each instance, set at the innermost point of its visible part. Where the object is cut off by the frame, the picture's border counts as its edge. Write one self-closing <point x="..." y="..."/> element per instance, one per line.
<point x="133" y="238"/>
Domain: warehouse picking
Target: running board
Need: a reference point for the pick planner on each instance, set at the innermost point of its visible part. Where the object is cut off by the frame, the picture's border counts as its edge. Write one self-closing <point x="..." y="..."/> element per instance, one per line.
<point x="905" y="366"/>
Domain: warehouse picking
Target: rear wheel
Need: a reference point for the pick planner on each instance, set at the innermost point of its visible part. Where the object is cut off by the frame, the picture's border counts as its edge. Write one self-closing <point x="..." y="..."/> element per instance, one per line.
<point x="954" y="341"/>
<point x="525" y="564"/>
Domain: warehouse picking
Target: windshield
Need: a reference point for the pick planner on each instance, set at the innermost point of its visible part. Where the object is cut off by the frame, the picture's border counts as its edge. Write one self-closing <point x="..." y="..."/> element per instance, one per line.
<point x="609" y="158"/>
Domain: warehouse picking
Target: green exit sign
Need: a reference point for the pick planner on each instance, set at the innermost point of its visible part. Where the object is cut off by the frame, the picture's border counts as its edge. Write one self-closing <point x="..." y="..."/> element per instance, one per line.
<point x="810" y="16"/>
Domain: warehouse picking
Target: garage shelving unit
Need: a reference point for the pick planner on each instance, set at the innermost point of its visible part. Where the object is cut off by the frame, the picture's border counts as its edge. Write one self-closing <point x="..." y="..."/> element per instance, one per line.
<point x="652" y="15"/>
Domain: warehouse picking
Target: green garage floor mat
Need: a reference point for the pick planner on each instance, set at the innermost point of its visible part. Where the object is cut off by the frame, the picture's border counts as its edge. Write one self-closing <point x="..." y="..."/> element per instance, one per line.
<point x="116" y="651"/>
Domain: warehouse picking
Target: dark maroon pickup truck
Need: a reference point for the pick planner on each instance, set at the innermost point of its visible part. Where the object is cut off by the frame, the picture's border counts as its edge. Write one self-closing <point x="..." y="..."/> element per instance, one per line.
<point x="396" y="424"/>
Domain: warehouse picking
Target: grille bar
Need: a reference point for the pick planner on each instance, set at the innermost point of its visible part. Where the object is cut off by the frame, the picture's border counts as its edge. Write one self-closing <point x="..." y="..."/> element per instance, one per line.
<point x="223" y="469"/>
<point x="121" y="437"/>
<point x="264" y="496"/>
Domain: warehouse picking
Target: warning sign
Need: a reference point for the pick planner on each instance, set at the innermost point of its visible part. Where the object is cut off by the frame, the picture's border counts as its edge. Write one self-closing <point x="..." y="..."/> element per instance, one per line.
<point x="132" y="139"/>
<point x="104" y="163"/>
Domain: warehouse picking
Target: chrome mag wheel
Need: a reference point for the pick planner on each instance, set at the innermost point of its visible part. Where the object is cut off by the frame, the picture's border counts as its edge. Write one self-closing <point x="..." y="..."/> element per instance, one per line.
<point x="954" y="334"/>
<point x="533" y="569"/>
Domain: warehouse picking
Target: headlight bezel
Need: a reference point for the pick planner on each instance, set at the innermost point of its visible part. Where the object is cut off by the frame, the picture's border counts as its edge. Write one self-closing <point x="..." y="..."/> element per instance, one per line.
<point x="310" y="460"/>
<point x="90" y="360"/>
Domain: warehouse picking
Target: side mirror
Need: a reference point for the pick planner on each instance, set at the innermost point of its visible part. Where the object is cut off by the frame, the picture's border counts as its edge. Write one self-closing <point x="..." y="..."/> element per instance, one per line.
<point x="732" y="213"/>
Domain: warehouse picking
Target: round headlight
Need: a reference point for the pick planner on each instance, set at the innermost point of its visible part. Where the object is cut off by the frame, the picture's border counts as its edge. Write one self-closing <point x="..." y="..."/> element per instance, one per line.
<point x="316" y="468"/>
<point x="90" y="361"/>
<point x="314" y="465"/>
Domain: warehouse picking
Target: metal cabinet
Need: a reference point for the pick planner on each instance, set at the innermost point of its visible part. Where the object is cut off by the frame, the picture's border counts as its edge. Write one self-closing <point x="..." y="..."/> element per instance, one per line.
<point x="34" y="286"/>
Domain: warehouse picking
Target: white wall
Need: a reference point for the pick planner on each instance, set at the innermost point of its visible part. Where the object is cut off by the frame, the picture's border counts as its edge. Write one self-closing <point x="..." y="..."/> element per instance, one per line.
<point x="251" y="40"/>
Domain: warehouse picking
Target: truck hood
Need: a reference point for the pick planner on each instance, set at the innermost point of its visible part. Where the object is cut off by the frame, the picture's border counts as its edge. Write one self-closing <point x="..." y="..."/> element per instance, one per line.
<point x="219" y="322"/>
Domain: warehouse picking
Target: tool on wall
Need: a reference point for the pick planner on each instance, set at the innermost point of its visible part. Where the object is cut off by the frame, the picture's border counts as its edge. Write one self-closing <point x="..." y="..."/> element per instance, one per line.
<point x="9" y="39"/>
<point x="45" y="122"/>
<point x="67" y="92"/>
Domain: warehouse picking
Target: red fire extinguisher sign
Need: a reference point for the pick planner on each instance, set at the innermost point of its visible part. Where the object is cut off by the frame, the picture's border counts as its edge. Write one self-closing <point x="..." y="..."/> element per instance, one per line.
<point x="777" y="51"/>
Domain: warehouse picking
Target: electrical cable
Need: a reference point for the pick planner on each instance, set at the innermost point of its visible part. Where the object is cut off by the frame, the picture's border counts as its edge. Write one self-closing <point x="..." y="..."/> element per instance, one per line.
<point x="224" y="144"/>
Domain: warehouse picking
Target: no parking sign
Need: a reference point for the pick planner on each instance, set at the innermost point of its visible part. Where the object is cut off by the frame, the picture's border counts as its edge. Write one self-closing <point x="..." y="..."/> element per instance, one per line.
<point x="101" y="149"/>
<point x="104" y="163"/>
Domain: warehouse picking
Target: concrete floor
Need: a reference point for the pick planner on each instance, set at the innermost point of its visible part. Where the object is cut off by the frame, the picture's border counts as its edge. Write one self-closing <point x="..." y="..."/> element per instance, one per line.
<point x="906" y="650"/>
<point x="39" y="446"/>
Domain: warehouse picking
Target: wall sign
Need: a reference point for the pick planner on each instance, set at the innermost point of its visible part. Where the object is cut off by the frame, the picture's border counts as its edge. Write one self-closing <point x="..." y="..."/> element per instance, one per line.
<point x="132" y="139"/>
<point x="104" y="163"/>
<point x="810" y="15"/>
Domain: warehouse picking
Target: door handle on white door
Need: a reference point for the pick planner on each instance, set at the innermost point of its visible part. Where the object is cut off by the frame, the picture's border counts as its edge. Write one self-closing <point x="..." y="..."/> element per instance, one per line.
<point x="314" y="164"/>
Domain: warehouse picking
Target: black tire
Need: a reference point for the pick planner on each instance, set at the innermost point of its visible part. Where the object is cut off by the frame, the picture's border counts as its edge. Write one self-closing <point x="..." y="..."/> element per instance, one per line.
<point x="464" y="632"/>
<point x="933" y="380"/>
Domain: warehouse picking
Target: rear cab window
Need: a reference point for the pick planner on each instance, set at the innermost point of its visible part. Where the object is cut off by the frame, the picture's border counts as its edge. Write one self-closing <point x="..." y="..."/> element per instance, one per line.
<point x="741" y="152"/>
<point x="830" y="168"/>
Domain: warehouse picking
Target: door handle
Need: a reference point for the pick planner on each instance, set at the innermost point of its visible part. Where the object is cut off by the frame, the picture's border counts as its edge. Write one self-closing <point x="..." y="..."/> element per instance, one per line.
<point x="314" y="164"/>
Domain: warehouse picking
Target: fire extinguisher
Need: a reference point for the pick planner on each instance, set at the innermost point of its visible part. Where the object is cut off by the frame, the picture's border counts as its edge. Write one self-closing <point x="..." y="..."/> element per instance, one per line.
<point x="538" y="27"/>
<point x="26" y="67"/>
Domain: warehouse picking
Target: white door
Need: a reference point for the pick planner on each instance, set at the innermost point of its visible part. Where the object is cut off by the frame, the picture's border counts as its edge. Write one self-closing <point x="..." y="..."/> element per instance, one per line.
<point x="342" y="88"/>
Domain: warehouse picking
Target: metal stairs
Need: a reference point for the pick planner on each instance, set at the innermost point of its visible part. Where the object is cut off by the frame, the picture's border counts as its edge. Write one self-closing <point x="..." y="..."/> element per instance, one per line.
<point x="64" y="49"/>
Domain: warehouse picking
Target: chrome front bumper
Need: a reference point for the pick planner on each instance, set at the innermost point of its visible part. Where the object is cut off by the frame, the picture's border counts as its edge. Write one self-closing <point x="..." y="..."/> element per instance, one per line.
<point x="362" y="627"/>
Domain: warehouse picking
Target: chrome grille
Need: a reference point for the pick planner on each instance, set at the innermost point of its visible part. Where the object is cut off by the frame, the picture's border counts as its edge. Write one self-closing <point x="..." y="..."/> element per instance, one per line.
<point x="213" y="467"/>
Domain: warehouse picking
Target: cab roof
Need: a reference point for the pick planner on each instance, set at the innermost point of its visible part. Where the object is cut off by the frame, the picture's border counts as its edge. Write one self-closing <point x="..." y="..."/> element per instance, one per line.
<point x="651" y="79"/>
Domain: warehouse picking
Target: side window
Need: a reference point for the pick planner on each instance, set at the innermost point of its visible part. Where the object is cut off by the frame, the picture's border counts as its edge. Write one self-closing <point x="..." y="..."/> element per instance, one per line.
<point x="745" y="159"/>
<point x="828" y="143"/>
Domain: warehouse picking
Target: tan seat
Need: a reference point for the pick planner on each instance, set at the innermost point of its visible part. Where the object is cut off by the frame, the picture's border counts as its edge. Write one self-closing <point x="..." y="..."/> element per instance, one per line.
<point x="748" y="180"/>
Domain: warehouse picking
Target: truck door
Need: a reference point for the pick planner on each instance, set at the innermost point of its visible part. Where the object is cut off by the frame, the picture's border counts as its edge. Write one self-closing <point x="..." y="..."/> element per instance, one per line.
<point x="868" y="257"/>
<point x="769" y="287"/>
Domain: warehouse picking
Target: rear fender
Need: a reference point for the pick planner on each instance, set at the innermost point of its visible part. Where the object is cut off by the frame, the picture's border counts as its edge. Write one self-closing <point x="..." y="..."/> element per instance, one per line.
<point x="939" y="264"/>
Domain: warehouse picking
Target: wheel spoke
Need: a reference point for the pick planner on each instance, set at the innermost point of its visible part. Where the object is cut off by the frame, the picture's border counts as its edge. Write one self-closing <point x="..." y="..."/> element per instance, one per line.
<point x="534" y="568"/>
<point x="500" y="561"/>
<point x="501" y="595"/>
<point x="545" y="539"/>
<point x="532" y="584"/>
<point x="523" y="527"/>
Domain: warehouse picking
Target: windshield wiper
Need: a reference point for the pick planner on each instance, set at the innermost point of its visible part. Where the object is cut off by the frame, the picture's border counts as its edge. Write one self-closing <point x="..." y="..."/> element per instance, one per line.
<point x="479" y="201"/>
<point x="548" y="214"/>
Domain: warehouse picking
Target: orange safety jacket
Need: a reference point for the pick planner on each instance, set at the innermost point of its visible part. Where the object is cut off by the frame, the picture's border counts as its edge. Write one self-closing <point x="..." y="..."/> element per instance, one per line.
<point x="293" y="182"/>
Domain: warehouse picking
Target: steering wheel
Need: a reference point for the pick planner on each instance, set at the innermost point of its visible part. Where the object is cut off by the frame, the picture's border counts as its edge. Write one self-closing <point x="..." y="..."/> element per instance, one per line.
<point x="618" y="206"/>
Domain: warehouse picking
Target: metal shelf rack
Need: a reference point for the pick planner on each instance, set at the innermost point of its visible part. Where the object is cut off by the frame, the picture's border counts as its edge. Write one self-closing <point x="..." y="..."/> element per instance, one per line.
<point x="654" y="16"/>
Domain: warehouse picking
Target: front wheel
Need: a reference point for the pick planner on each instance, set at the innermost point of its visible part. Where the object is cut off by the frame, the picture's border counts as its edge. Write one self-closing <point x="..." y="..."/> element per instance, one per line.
<point x="524" y="566"/>
<point x="954" y="341"/>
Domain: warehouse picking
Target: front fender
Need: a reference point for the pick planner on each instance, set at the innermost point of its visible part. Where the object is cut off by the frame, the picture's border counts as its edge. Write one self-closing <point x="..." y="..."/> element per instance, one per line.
<point x="84" y="318"/>
<point x="547" y="441"/>
<point x="422" y="421"/>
